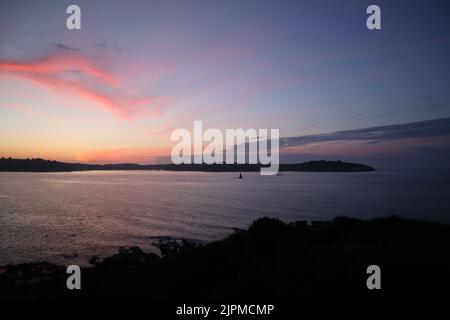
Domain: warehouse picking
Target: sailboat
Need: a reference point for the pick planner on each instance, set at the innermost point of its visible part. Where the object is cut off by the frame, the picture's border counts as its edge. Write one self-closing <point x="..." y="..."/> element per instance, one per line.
<point x="240" y="175"/>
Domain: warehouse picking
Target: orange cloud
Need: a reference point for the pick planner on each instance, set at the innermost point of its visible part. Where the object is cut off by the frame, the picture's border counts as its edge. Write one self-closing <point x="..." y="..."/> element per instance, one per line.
<point x="83" y="76"/>
<point x="123" y="155"/>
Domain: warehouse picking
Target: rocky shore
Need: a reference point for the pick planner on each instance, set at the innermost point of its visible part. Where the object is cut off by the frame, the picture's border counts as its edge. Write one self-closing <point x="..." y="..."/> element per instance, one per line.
<point x="270" y="260"/>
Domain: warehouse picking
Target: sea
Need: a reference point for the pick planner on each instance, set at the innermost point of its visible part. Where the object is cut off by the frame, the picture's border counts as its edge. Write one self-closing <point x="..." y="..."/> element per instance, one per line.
<point x="68" y="217"/>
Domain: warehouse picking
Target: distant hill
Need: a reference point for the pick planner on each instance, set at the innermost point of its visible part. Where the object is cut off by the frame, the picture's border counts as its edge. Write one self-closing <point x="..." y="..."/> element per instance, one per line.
<point x="41" y="165"/>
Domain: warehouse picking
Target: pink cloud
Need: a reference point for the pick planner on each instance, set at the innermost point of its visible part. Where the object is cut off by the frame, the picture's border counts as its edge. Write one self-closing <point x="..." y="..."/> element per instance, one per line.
<point x="85" y="77"/>
<point x="59" y="63"/>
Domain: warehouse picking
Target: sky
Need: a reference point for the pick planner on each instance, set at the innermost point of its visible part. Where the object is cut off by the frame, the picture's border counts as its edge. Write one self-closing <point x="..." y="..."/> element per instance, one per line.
<point x="114" y="91"/>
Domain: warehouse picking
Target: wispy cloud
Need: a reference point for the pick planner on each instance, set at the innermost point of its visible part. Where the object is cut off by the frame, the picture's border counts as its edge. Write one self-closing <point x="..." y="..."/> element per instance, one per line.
<point x="65" y="47"/>
<point x="86" y="77"/>
<point x="422" y="129"/>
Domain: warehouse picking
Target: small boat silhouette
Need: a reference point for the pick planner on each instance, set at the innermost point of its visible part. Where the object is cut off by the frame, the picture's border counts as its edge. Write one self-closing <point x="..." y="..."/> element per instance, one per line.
<point x="240" y="175"/>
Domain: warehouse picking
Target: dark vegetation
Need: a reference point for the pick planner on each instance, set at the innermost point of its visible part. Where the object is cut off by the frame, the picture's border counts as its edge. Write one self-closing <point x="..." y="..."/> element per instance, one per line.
<point x="41" y="165"/>
<point x="271" y="261"/>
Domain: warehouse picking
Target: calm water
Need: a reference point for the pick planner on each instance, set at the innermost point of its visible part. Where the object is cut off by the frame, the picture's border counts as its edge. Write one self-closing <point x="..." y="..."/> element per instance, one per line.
<point x="66" y="217"/>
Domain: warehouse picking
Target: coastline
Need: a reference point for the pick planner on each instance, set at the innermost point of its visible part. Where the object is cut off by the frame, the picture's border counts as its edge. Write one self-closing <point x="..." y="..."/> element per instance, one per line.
<point x="270" y="260"/>
<point x="41" y="165"/>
